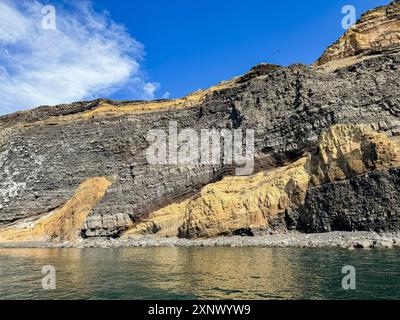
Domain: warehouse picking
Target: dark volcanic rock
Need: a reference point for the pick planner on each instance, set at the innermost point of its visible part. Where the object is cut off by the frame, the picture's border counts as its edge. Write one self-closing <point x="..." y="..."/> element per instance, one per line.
<point x="370" y="202"/>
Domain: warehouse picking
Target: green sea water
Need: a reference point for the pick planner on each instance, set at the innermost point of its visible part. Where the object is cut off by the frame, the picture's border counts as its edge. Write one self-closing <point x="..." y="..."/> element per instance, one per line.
<point x="199" y="273"/>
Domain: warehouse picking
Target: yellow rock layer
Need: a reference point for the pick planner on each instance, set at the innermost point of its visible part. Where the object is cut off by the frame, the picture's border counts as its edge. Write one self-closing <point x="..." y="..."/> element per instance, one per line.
<point x="346" y="151"/>
<point x="251" y="202"/>
<point x="245" y="202"/>
<point x="165" y="222"/>
<point x="64" y="223"/>
<point x="230" y="204"/>
<point x="107" y="110"/>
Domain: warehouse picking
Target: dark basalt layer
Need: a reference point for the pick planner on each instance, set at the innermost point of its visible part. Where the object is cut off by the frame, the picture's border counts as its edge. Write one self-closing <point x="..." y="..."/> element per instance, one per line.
<point x="370" y="202"/>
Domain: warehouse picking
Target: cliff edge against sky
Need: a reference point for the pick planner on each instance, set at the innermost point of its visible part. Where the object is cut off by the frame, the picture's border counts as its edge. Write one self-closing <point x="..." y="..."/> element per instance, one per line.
<point x="325" y="142"/>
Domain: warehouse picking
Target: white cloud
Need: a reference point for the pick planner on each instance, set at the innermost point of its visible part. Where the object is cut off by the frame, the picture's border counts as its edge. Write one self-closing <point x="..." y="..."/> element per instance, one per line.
<point x="87" y="56"/>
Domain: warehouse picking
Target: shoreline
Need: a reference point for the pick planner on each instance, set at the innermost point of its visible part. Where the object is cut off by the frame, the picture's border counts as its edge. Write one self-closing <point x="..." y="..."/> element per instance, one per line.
<point x="336" y="239"/>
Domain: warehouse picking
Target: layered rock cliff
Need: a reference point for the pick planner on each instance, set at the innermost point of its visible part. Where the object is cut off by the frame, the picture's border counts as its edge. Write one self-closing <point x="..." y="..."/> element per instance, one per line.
<point x="375" y="33"/>
<point x="281" y="198"/>
<point x="81" y="169"/>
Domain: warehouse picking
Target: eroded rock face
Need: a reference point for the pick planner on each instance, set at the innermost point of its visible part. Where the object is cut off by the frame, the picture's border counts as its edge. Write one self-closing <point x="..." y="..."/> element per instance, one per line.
<point x="43" y="161"/>
<point x="231" y="205"/>
<point x="64" y="223"/>
<point x="377" y="31"/>
<point x="346" y="151"/>
<point x="369" y="202"/>
<point x="264" y="201"/>
<point x="46" y="153"/>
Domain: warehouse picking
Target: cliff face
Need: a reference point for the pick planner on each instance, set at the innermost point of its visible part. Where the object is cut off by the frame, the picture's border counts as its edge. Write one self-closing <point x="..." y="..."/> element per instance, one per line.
<point x="281" y="198"/>
<point x="64" y="223"/>
<point x="46" y="154"/>
<point x="368" y="202"/>
<point x="375" y="33"/>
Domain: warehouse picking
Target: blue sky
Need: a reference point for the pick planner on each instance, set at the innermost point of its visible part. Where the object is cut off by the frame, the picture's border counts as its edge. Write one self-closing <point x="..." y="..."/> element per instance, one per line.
<point x="194" y="44"/>
<point x="152" y="49"/>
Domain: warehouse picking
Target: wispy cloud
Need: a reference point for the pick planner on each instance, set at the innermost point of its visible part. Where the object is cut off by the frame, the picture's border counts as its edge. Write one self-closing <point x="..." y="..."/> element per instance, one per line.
<point x="88" y="55"/>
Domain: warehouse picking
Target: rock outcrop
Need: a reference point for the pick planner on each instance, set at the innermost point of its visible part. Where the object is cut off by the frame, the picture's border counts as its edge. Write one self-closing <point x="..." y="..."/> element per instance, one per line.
<point x="370" y="202"/>
<point x="269" y="200"/>
<point x="346" y="151"/>
<point x="48" y="152"/>
<point x="62" y="224"/>
<point x="375" y="33"/>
